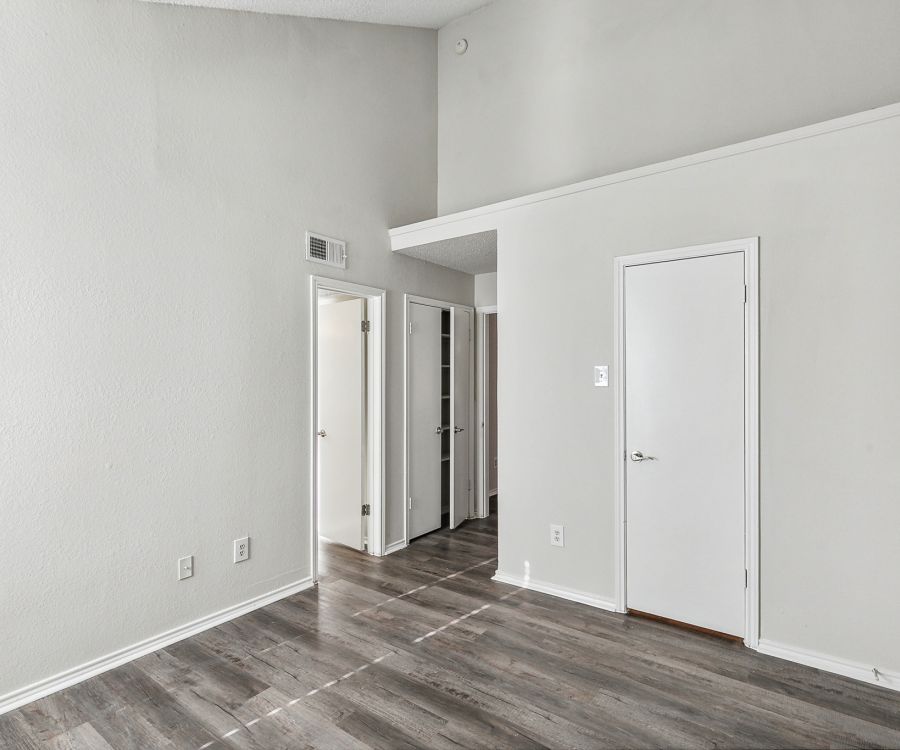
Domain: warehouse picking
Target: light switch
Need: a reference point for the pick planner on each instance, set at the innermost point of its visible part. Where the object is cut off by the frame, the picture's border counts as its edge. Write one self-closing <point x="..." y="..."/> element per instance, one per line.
<point x="601" y="376"/>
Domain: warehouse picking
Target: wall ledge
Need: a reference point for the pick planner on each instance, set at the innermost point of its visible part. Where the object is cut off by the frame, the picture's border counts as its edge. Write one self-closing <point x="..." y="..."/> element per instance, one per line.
<point x="442" y="227"/>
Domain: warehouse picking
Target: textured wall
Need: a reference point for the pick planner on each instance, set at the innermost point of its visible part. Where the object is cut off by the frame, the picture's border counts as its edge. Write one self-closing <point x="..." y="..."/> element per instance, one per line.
<point x="159" y="168"/>
<point x="486" y="289"/>
<point x="825" y="210"/>
<point x="556" y="91"/>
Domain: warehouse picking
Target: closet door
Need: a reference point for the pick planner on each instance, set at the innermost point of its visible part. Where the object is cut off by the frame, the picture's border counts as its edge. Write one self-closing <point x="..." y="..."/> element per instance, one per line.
<point x="424" y="398"/>
<point x="461" y="407"/>
<point x="341" y="430"/>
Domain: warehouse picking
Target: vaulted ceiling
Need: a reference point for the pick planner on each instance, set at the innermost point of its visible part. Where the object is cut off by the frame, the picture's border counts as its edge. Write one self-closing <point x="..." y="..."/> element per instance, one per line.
<point x="426" y="14"/>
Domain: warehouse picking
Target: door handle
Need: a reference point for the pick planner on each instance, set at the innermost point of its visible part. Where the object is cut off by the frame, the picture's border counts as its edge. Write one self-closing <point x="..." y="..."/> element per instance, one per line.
<point x="637" y="457"/>
<point x="321" y="433"/>
<point x="459" y="429"/>
<point x="438" y="430"/>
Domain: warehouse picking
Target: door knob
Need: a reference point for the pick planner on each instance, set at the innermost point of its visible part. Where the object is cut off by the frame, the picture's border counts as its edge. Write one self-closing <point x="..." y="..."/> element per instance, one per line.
<point x="637" y="457"/>
<point x="459" y="429"/>
<point x="438" y="430"/>
<point x="321" y="433"/>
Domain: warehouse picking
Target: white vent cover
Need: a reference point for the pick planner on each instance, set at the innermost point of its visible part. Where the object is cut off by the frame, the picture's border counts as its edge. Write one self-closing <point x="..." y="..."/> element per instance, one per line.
<point x="327" y="250"/>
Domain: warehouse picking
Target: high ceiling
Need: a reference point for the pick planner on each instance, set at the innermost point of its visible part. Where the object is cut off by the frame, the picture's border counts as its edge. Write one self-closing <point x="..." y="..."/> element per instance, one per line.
<point x="426" y="14"/>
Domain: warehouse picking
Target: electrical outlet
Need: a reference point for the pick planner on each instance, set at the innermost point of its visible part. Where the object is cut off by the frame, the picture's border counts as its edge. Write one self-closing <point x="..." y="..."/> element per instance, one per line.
<point x="557" y="535"/>
<point x="242" y="549"/>
<point x="185" y="567"/>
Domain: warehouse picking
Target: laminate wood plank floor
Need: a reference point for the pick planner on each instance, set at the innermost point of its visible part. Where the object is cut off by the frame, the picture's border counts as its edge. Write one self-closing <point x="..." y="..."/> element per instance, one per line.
<point x="422" y="649"/>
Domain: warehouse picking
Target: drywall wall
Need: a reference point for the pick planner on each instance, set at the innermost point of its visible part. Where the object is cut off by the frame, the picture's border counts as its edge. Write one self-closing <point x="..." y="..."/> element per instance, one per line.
<point x="555" y="91"/>
<point x="486" y="289"/>
<point x="825" y="210"/>
<point x="160" y="165"/>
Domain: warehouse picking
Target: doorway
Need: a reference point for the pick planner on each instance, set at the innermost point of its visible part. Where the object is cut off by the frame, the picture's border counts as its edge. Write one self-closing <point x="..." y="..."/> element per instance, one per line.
<point x="487" y="496"/>
<point x="347" y="407"/>
<point x="439" y="396"/>
<point x="686" y="385"/>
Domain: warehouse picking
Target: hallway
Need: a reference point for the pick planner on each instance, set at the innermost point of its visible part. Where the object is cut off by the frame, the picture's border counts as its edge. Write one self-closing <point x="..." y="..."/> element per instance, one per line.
<point x="422" y="649"/>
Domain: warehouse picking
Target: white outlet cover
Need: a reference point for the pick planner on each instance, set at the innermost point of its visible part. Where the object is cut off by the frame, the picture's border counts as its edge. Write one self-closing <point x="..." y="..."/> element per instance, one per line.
<point x="557" y="535"/>
<point x="185" y="567"/>
<point x="601" y="376"/>
<point x="242" y="549"/>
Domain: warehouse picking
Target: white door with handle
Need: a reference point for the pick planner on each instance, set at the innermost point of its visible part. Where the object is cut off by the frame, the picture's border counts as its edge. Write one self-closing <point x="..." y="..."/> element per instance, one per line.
<point x="460" y="458"/>
<point x="684" y="436"/>
<point x="425" y="425"/>
<point x="341" y="413"/>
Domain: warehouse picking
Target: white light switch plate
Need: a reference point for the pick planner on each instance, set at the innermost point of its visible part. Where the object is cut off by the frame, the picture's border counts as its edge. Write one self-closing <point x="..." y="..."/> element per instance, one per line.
<point x="242" y="549"/>
<point x="185" y="567"/>
<point x="557" y="535"/>
<point x="601" y="376"/>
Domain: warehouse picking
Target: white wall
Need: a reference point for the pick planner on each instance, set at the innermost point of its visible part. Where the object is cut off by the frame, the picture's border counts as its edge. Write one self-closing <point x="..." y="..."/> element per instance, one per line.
<point x="555" y="91"/>
<point x="825" y="209"/>
<point x="160" y="165"/>
<point x="485" y="289"/>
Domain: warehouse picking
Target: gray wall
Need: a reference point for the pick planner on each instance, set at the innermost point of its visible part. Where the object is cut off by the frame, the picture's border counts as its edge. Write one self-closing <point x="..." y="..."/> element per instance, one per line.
<point x="825" y="210"/>
<point x="556" y="91"/>
<point x="486" y="289"/>
<point x="160" y="165"/>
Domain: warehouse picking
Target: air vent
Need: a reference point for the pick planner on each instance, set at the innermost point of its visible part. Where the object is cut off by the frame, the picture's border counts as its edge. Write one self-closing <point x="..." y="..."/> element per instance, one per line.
<point x="322" y="249"/>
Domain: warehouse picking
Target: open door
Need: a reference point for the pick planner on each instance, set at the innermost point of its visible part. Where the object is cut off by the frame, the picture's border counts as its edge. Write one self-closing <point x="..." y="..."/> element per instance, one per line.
<point x="425" y="426"/>
<point x="461" y="407"/>
<point x="342" y="426"/>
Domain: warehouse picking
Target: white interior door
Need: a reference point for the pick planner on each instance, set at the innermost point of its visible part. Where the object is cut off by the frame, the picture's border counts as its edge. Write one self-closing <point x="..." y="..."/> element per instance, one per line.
<point x="684" y="414"/>
<point x="424" y="400"/>
<point x="460" y="408"/>
<point x="341" y="430"/>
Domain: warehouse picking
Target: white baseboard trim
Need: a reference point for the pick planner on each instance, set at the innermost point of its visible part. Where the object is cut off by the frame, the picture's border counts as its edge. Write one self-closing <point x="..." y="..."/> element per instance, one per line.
<point x="49" y="685"/>
<point x="856" y="670"/>
<point x="563" y="593"/>
<point x="395" y="547"/>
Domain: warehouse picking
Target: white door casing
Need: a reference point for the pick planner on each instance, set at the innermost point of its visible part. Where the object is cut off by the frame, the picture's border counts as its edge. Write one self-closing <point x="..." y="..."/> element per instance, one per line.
<point x="341" y="431"/>
<point x="687" y="396"/>
<point x="424" y="404"/>
<point x="460" y="390"/>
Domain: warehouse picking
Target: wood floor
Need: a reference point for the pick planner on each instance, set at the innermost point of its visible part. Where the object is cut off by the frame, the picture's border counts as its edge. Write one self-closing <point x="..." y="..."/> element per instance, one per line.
<point x="461" y="662"/>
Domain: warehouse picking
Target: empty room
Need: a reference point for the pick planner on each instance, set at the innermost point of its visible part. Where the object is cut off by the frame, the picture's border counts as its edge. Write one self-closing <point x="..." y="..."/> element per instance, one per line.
<point x="449" y="374"/>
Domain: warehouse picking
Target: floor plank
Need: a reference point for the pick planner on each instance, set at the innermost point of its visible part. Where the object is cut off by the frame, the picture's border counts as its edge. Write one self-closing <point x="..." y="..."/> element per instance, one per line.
<point x="422" y="649"/>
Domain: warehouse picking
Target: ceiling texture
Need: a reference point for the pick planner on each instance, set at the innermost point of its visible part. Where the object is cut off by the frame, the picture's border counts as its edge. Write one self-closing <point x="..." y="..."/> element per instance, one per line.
<point x="473" y="253"/>
<point x="424" y="14"/>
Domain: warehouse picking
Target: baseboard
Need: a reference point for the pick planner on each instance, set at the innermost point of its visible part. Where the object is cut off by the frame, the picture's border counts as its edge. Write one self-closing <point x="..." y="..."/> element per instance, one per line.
<point x="395" y="547"/>
<point x="856" y="670"/>
<point x="563" y="593"/>
<point x="45" y="687"/>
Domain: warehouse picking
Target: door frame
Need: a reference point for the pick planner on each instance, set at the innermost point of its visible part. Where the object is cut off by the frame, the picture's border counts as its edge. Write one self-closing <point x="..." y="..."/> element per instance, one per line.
<point x="443" y="305"/>
<point x="750" y="249"/>
<point x="482" y="368"/>
<point x="375" y="422"/>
